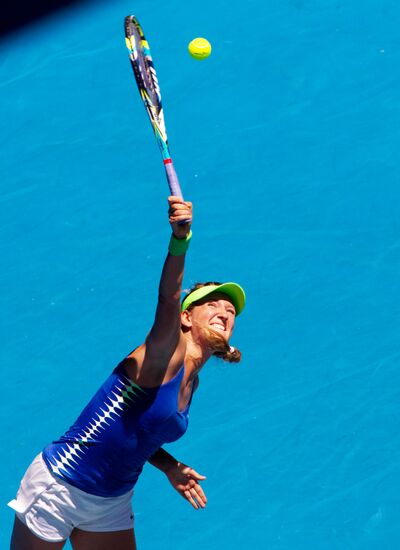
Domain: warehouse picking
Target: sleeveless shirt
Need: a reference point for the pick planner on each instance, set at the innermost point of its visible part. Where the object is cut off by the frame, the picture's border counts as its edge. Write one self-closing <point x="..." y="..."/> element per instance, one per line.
<point x="123" y="425"/>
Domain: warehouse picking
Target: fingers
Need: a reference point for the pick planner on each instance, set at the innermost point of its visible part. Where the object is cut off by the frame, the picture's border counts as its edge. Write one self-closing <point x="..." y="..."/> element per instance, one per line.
<point x="196" y="475"/>
<point x="176" y="204"/>
<point x="190" y="472"/>
<point x="189" y="487"/>
<point x="198" y="494"/>
<point x="196" y="497"/>
<point x="195" y="494"/>
<point x="179" y="208"/>
<point x="180" y="216"/>
<point x="189" y="497"/>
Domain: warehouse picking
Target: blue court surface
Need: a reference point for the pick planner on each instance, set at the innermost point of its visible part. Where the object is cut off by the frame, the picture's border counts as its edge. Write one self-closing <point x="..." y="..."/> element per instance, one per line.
<point x="286" y="140"/>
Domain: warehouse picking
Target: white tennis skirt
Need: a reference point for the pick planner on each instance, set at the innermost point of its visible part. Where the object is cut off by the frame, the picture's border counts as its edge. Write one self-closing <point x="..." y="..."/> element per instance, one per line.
<point x="52" y="508"/>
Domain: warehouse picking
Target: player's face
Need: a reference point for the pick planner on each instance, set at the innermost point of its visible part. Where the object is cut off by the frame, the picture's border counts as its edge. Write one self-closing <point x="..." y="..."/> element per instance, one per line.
<point x="216" y="312"/>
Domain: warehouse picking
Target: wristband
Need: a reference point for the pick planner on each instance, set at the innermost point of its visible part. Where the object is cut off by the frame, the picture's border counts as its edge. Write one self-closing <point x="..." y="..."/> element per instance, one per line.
<point x="178" y="247"/>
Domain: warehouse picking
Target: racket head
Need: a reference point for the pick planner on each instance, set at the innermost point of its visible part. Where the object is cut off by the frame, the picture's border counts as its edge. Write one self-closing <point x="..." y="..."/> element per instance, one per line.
<point x="146" y="79"/>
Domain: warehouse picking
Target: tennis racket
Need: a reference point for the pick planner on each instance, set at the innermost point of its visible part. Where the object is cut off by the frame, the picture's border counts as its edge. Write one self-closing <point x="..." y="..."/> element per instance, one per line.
<point x="146" y="79"/>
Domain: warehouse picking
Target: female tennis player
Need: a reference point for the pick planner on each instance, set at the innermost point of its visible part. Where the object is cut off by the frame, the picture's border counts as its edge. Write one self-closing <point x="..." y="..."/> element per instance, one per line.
<point x="80" y="487"/>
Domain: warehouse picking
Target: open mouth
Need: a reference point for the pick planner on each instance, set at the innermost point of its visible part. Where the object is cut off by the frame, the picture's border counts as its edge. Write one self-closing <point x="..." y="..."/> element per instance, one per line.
<point x="218" y="326"/>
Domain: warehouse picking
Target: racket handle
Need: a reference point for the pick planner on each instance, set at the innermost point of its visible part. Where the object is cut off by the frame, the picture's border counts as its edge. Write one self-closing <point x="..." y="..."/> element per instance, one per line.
<point x="172" y="178"/>
<point x="173" y="183"/>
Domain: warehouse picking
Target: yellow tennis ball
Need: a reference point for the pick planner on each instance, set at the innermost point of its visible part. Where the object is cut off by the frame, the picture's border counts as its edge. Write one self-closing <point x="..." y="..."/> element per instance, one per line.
<point x="199" y="48"/>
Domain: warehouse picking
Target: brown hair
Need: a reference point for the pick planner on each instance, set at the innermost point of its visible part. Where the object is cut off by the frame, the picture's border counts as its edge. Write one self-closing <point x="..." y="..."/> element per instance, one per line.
<point x="221" y="348"/>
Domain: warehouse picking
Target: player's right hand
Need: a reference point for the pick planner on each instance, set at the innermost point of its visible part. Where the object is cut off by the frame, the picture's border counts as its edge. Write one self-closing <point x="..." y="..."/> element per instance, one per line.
<point x="180" y="210"/>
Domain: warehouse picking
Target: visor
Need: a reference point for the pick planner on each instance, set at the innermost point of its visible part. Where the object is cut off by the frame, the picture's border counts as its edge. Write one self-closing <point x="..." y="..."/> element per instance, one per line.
<point x="234" y="291"/>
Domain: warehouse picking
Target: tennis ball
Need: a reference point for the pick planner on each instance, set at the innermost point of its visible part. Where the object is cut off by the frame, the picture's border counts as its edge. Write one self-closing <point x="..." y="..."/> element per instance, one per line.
<point x="199" y="48"/>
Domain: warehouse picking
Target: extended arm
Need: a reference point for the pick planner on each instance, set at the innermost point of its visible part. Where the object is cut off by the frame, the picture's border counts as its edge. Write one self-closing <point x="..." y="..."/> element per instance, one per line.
<point x="163" y="338"/>
<point x="165" y="345"/>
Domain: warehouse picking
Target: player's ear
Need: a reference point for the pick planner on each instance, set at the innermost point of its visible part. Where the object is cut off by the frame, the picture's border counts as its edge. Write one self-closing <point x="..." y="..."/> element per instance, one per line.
<point x="186" y="319"/>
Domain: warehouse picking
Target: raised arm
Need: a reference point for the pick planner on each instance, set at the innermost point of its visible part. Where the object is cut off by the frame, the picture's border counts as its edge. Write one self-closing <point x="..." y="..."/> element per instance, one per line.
<point x="164" y="341"/>
<point x="165" y="332"/>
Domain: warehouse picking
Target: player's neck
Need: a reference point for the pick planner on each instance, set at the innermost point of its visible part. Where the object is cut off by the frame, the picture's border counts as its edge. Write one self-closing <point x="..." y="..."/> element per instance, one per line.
<point x="196" y="356"/>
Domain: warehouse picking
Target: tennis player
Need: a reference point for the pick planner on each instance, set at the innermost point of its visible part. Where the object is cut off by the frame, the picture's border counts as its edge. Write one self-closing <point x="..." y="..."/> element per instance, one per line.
<point x="80" y="486"/>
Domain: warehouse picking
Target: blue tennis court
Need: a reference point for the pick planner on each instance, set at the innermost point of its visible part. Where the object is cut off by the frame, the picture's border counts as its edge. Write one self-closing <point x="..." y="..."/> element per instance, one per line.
<point x="286" y="140"/>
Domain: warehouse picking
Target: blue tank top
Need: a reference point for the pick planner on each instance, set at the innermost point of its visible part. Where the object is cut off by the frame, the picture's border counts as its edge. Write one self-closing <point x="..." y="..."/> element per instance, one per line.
<point x="122" y="426"/>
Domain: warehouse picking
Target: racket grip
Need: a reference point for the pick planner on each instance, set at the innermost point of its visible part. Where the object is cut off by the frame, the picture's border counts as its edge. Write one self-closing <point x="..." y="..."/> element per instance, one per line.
<point x="173" y="183"/>
<point x="172" y="178"/>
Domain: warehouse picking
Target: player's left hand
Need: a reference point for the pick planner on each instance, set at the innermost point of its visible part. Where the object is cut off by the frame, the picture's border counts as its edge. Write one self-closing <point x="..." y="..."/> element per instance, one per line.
<point x="186" y="481"/>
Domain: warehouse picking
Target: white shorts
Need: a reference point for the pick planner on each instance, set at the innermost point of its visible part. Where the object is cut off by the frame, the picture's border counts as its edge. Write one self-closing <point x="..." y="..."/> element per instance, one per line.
<point x="51" y="508"/>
